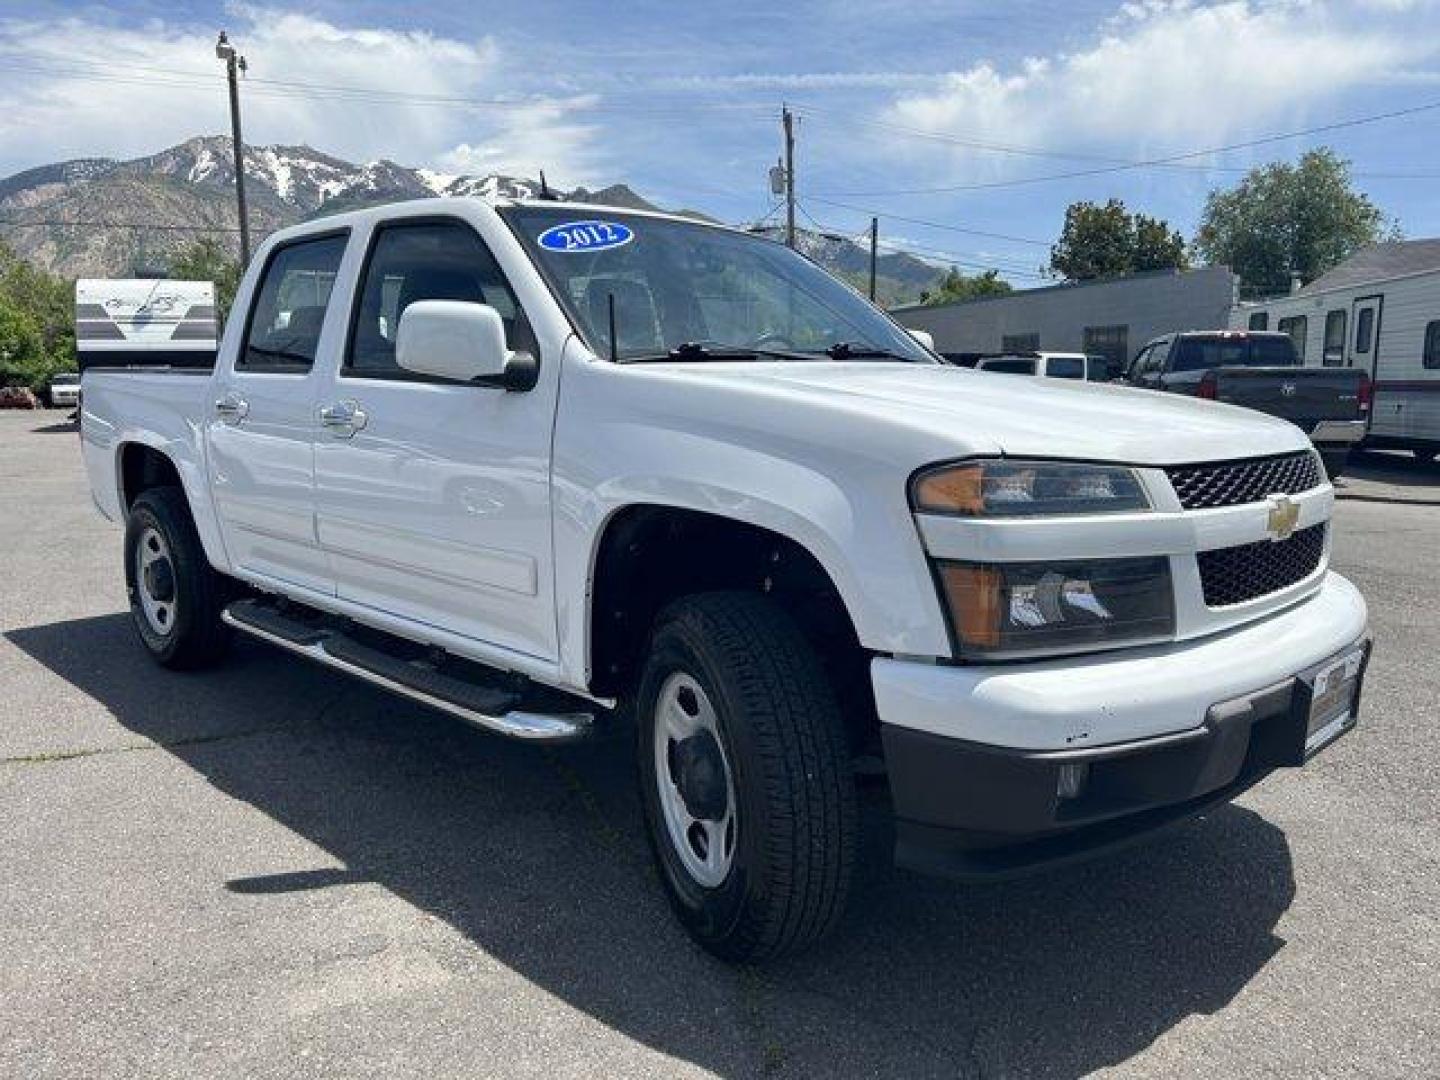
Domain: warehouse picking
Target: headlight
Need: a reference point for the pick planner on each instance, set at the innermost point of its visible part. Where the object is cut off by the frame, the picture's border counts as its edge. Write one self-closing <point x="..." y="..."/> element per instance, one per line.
<point x="1027" y="488"/>
<point x="1003" y="611"/>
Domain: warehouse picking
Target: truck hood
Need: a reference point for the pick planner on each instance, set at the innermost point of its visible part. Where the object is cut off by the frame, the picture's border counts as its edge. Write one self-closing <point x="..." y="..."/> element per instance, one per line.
<point x="962" y="412"/>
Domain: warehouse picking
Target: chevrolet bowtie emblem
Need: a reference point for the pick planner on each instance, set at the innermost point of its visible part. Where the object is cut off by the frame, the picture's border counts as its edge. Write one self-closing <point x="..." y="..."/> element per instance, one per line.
<point x="1284" y="516"/>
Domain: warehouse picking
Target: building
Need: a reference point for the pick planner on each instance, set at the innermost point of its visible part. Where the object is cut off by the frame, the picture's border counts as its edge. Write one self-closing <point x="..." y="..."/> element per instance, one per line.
<point x="1113" y="317"/>
<point x="1379" y="310"/>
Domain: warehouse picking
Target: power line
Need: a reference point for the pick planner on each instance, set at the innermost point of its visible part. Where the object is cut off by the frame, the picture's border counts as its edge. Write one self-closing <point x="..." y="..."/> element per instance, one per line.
<point x="930" y="224"/>
<point x="286" y="88"/>
<point x="971" y="260"/>
<point x="1168" y="160"/>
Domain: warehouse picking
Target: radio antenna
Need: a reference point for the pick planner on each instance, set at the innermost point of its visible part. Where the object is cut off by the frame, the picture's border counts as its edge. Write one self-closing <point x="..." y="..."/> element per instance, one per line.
<point x="545" y="192"/>
<point x="614" y="345"/>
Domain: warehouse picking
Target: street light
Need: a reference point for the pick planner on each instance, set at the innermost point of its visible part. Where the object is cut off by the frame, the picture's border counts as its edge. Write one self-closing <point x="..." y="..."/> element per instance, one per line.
<point x="234" y="64"/>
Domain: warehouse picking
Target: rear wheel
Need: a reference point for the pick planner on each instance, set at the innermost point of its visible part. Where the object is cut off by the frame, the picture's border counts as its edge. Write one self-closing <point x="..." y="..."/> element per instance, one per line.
<point x="175" y="596"/>
<point x="744" y="771"/>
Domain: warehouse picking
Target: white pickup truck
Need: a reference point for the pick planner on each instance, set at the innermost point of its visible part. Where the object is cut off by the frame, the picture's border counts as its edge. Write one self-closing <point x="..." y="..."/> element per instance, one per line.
<point x="558" y="469"/>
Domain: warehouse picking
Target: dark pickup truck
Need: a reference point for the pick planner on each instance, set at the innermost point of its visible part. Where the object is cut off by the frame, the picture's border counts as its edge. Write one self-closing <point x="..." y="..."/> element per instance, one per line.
<point x="1261" y="371"/>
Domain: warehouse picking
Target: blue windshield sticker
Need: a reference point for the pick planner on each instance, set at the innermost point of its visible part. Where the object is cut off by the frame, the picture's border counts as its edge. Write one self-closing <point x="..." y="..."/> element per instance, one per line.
<point x="581" y="236"/>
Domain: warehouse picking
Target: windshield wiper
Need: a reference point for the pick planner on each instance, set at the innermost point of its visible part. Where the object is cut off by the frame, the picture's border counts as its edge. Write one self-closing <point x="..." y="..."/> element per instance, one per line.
<point x="714" y="350"/>
<point x="848" y="350"/>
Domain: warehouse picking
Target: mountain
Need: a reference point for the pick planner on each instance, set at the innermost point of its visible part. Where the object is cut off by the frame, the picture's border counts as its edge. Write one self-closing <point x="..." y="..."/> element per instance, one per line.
<point x="97" y="217"/>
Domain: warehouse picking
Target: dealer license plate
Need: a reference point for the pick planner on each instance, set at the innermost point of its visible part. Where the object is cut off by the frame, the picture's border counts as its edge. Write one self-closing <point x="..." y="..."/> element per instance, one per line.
<point x="1334" y="696"/>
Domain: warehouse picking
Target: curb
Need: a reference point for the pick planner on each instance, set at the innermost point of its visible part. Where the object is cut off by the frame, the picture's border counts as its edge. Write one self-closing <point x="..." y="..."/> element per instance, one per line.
<point x="1391" y="500"/>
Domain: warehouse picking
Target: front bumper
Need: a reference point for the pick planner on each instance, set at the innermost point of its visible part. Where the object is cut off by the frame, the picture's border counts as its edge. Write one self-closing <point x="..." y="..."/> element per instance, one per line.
<point x="1152" y="739"/>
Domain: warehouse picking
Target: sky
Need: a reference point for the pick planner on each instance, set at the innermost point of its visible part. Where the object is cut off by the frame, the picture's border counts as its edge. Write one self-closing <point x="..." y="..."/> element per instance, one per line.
<point x="961" y="124"/>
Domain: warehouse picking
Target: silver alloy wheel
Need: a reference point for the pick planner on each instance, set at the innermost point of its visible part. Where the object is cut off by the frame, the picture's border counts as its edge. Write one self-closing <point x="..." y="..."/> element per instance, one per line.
<point x="690" y="766"/>
<point x="155" y="581"/>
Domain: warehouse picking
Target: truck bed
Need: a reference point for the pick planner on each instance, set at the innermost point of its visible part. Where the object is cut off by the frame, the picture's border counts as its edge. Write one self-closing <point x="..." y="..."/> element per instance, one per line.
<point x="157" y="407"/>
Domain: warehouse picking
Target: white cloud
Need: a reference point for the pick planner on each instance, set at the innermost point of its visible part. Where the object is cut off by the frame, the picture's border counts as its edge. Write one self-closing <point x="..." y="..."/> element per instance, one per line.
<point x="1173" y="74"/>
<point x="80" y="87"/>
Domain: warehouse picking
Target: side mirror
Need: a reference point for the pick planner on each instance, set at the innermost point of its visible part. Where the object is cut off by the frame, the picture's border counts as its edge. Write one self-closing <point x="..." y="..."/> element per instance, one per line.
<point x="457" y="340"/>
<point x="924" y="337"/>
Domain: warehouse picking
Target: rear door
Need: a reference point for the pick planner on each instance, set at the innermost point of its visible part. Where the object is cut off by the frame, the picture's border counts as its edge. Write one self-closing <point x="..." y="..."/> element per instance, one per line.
<point x="260" y="423"/>
<point x="433" y="500"/>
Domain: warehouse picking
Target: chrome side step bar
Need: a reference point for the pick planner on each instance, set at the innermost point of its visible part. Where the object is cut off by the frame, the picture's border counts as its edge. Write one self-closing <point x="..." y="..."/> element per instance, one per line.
<point x="515" y="723"/>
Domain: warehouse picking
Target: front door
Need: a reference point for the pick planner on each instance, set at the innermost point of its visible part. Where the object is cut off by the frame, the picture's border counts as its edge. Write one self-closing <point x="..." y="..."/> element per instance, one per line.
<point x="260" y="425"/>
<point x="432" y="496"/>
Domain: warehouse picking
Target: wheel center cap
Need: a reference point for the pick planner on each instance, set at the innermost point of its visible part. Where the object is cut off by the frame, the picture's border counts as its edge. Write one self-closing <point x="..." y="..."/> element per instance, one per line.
<point x="700" y="769"/>
<point x="160" y="581"/>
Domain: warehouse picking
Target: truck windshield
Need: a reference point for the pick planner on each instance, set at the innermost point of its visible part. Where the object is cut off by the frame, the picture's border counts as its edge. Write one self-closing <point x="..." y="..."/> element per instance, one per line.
<point x="1201" y="354"/>
<point x="686" y="291"/>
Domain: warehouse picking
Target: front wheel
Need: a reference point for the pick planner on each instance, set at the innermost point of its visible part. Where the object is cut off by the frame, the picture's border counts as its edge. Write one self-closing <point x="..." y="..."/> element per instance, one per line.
<point x="745" y="778"/>
<point x="175" y="596"/>
<point x="1335" y="462"/>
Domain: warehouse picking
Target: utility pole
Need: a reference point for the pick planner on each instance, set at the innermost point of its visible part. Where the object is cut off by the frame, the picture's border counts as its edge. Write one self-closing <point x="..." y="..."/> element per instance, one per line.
<point x="874" y="246"/>
<point x="234" y="64"/>
<point x="788" y="121"/>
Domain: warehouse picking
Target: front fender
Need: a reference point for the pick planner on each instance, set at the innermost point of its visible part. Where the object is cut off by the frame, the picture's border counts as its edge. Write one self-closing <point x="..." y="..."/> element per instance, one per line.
<point x="851" y="514"/>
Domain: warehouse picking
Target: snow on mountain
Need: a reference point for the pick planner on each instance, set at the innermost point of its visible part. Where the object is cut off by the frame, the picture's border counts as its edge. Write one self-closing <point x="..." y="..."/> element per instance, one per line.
<point x="193" y="185"/>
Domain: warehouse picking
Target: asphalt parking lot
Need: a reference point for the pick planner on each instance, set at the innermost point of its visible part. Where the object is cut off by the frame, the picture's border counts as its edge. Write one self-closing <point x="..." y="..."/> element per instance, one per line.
<point x="271" y="870"/>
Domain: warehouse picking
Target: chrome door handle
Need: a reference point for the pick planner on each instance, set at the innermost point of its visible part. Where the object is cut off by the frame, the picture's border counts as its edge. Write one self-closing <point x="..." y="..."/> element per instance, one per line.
<point x="344" y="418"/>
<point x="232" y="407"/>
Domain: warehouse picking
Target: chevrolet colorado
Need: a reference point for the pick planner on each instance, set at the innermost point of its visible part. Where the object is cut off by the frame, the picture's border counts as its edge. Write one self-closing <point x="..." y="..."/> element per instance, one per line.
<point x="557" y="469"/>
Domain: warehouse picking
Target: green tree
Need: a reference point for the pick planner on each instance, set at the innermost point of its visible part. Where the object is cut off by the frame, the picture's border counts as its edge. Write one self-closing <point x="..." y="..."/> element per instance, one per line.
<point x="1283" y="219"/>
<point x="37" y="323"/>
<point x="1108" y="241"/>
<point x="207" y="260"/>
<point x="1157" y="246"/>
<point x="22" y="347"/>
<point x="957" y="286"/>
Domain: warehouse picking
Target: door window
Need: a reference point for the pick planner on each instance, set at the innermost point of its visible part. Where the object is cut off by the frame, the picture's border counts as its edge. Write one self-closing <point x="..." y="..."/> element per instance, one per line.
<point x="1432" y="344"/>
<point x="425" y="260"/>
<point x="1335" y="338"/>
<point x="283" y="332"/>
<point x="1295" y="327"/>
<point x="1260" y="320"/>
<point x="1364" y="331"/>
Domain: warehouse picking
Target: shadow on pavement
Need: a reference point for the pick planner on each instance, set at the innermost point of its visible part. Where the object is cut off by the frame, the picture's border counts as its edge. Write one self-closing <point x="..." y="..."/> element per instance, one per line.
<point x="538" y="857"/>
<point x="1394" y="472"/>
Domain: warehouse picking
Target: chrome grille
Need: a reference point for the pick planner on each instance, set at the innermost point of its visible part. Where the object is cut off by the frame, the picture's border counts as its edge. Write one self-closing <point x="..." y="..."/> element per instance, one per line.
<point x="1235" y="574"/>
<point x="1232" y="483"/>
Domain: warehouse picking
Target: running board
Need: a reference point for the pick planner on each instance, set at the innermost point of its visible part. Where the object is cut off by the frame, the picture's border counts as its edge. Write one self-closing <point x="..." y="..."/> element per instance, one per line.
<point x="324" y="640"/>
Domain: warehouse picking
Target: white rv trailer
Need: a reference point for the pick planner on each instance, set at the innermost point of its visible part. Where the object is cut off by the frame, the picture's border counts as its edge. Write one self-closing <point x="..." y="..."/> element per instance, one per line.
<point x="144" y="322"/>
<point x="1380" y="311"/>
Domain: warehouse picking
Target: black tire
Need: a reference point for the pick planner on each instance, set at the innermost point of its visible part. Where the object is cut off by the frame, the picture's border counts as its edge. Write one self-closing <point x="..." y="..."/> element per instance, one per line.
<point x="1335" y="462"/>
<point x="784" y="737"/>
<point x="195" y="636"/>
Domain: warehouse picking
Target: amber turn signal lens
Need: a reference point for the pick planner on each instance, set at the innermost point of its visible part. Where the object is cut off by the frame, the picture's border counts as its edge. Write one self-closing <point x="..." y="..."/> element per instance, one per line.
<point x="954" y="491"/>
<point x="973" y="593"/>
